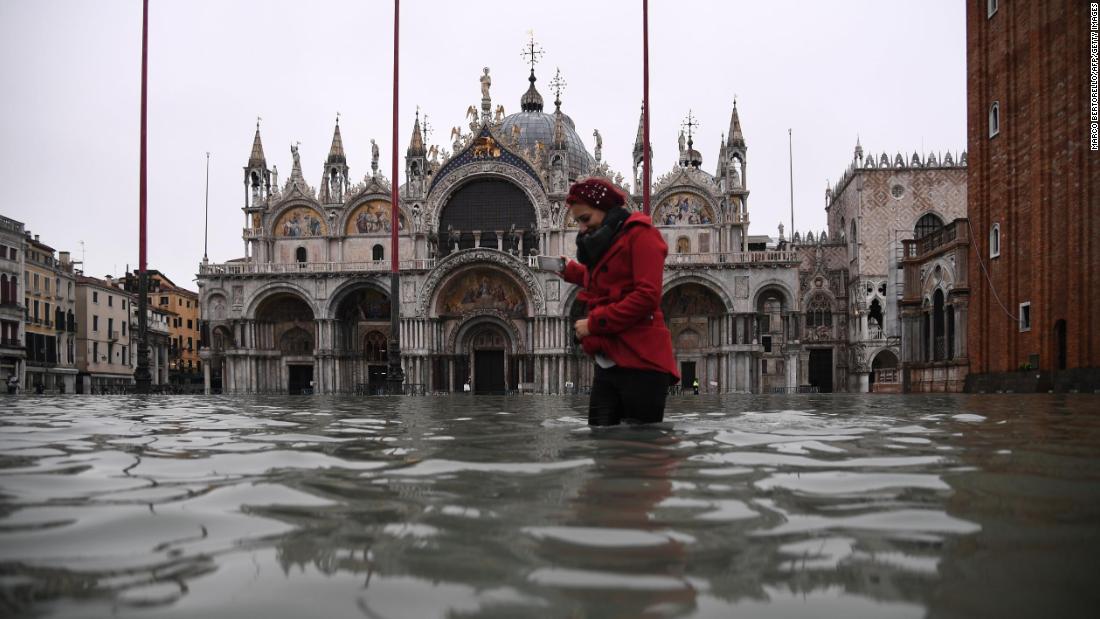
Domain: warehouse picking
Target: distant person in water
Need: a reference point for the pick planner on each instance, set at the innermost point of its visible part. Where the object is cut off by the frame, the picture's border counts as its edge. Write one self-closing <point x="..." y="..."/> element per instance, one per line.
<point x="620" y="265"/>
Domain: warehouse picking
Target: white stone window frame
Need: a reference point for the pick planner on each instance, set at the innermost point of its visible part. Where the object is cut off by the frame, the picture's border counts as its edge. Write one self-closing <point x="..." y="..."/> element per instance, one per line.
<point x="995" y="241"/>
<point x="994" y="119"/>
<point x="1025" y="325"/>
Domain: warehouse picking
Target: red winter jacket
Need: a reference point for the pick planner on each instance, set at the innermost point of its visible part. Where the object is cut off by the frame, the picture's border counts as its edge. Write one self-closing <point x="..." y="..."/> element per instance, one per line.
<point x="623" y="295"/>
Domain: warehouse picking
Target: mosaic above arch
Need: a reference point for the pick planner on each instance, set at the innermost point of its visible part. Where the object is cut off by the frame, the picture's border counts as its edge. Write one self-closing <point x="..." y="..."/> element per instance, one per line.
<point x="300" y="221"/>
<point x="479" y="290"/>
<point x="683" y="209"/>
<point x="373" y="217"/>
<point x="691" y="299"/>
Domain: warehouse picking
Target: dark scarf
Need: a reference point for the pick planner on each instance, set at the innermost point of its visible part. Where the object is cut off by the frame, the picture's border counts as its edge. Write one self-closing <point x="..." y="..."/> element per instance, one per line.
<point x="592" y="245"/>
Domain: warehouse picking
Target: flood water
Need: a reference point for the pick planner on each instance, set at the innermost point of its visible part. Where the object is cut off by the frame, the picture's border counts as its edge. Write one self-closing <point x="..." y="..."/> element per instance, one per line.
<point x="738" y="506"/>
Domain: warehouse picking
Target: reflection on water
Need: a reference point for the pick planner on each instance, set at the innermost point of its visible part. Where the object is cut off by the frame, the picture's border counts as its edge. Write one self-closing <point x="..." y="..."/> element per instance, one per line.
<point x="796" y="506"/>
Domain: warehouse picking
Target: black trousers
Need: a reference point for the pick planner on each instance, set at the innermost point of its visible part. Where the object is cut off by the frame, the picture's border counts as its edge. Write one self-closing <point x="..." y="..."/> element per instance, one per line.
<point x="623" y="394"/>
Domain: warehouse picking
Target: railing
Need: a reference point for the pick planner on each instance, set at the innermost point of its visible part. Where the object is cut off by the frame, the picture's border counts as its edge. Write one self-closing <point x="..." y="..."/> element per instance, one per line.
<point x="798" y="389"/>
<point x="11" y="342"/>
<point x="112" y="335"/>
<point x="11" y="226"/>
<point x="887" y="376"/>
<point x="265" y="268"/>
<point x="936" y="239"/>
<point x="735" y="258"/>
<point x="253" y="233"/>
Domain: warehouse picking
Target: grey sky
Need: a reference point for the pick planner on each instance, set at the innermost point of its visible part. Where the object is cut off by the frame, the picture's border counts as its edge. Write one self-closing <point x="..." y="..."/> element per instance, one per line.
<point x="892" y="72"/>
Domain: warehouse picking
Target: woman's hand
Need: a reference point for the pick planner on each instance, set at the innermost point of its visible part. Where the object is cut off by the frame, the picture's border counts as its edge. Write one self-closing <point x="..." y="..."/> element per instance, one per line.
<point x="581" y="326"/>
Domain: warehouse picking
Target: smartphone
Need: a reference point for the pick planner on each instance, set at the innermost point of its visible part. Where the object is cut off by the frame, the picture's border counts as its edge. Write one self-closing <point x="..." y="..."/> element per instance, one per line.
<point x="551" y="263"/>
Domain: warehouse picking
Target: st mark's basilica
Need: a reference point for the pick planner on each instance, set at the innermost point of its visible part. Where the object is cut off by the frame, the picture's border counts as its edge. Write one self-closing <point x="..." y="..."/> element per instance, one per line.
<point x="308" y="306"/>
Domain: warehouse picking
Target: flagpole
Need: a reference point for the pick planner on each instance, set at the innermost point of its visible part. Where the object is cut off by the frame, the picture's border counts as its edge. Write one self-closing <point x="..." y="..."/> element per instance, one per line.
<point x="142" y="379"/>
<point x="645" y="106"/>
<point x="395" y="376"/>
<point x="206" y="219"/>
<point x="790" y="155"/>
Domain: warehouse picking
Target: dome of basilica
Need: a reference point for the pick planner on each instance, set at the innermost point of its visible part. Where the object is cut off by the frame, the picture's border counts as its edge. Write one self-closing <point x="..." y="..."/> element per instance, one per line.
<point x="537" y="126"/>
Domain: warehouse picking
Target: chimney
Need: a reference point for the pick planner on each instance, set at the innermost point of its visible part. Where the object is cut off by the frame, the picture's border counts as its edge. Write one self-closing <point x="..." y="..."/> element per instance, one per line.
<point x="63" y="257"/>
<point x="36" y="238"/>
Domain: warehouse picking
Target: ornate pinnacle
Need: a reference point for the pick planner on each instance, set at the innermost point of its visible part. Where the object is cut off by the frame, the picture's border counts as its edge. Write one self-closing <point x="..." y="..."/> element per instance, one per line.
<point x="557" y="85"/>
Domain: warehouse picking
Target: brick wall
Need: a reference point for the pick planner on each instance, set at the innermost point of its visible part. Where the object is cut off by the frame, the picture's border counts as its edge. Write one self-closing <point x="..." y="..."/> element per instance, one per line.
<point x="1037" y="179"/>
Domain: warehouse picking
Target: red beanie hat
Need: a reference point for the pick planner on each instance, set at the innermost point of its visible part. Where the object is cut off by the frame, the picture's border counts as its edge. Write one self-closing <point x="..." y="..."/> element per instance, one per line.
<point x="597" y="193"/>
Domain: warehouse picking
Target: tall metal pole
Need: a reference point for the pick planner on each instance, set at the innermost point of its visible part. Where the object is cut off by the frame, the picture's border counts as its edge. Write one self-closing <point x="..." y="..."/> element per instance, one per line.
<point x="790" y="155"/>
<point x="206" y="219"/>
<point x="645" y="106"/>
<point x="395" y="376"/>
<point x="142" y="379"/>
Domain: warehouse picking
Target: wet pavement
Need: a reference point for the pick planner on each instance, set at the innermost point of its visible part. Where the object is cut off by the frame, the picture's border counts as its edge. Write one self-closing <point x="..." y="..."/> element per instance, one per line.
<point x="746" y="506"/>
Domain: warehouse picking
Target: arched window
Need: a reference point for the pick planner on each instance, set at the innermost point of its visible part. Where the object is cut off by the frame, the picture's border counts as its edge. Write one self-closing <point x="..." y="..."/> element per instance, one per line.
<point x="683" y="245"/>
<point x="377" y="252"/>
<point x="949" y="319"/>
<point x="300" y="255"/>
<point x="874" y="319"/>
<point x="994" y="119"/>
<point x="938" y="326"/>
<point x="374" y="347"/>
<point x="820" y="312"/>
<point x="852" y="234"/>
<point x="995" y="241"/>
<point x="926" y="225"/>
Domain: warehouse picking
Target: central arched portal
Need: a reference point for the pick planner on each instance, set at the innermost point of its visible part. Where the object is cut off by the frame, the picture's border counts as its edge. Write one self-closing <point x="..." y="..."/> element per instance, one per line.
<point x="488" y="212"/>
<point x="488" y="347"/>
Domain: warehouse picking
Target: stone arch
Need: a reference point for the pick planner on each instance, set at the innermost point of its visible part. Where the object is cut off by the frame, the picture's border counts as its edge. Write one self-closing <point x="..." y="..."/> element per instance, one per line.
<point x="704" y="280"/>
<point x="692" y="306"/>
<point x="481" y="287"/>
<point x="884" y="357"/>
<point x="511" y="265"/>
<point x="457" y="178"/>
<point x="775" y="286"/>
<point x="295" y="203"/>
<point x="460" y="334"/>
<point x="216" y="306"/>
<point x="268" y="290"/>
<point x="221" y="338"/>
<point x="940" y="276"/>
<point x="376" y="282"/>
<point x="661" y="208"/>
<point x="359" y="307"/>
<point x="340" y="225"/>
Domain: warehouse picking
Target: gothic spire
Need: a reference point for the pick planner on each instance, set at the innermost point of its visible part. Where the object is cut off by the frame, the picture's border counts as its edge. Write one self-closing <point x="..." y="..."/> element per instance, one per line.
<point x="336" y="151"/>
<point x="416" y="144"/>
<point x="736" y="138"/>
<point x="639" y="142"/>
<point x="257" y="159"/>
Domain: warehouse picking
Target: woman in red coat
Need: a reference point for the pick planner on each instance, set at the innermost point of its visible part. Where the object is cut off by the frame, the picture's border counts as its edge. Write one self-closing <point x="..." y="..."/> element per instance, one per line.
<point x="620" y="264"/>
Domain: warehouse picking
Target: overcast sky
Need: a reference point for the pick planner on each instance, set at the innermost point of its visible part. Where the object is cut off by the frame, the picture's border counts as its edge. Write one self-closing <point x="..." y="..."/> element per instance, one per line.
<point x="891" y="72"/>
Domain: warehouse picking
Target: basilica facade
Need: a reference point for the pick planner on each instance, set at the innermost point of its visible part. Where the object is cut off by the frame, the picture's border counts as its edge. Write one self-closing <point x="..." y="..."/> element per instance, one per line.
<point x="307" y="308"/>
